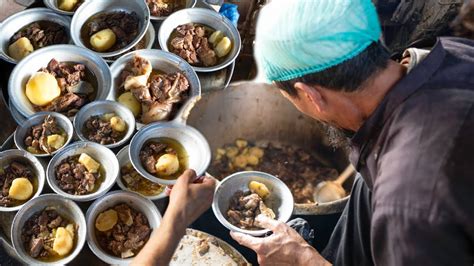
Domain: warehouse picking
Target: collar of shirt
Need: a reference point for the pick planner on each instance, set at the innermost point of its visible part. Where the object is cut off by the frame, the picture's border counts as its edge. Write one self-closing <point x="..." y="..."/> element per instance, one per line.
<point x="363" y="140"/>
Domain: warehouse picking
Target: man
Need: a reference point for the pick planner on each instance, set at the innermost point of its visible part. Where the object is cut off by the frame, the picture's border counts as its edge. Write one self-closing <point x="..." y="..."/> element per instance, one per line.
<point x="411" y="135"/>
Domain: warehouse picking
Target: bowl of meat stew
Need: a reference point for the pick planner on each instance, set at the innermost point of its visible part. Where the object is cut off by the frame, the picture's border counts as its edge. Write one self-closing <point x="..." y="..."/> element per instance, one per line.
<point x="110" y="28"/>
<point x="49" y="230"/>
<point x="63" y="7"/>
<point x="119" y="225"/>
<point x="105" y="122"/>
<point x="240" y="197"/>
<point x="31" y="30"/>
<point x="21" y="178"/>
<point x="161" y="152"/>
<point x="204" y="38"/>
<point x="159" y="9"/>
<point x="60" y="78"/>
<point x="156" y="86"/>
<point x="44" y="134"/>
<point x="83" y="171"/>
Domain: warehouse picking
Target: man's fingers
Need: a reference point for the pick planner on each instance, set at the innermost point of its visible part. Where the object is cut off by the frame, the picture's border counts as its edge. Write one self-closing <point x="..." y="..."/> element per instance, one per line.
<point x="188" y="176"/>
<point x="246" y="240"/>
<point x="266" y="222"/>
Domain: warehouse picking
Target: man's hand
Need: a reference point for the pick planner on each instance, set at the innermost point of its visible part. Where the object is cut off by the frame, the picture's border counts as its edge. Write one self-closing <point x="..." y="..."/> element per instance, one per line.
<point x="284" y="247"/>
<point x="189" y="200"/>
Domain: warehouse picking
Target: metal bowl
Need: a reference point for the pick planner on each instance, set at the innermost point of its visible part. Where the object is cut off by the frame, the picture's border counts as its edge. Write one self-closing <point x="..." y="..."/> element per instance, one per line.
<point x="124" y="159"/>
<point x="163" y="61"/>
<point x="111" y="199"/>
<point x="280" y="199"/>
<point x="91" y="8"/>
<point x="149" y="37"/>
<point x="19" y="20"/>
<point x="53" y="5"/>
<point x="101" y="154"/>
<point x="36" y="119"/>
<point x="189" y="4"/>
<point x="100" y="108"/>
<point x="63" y="53"/>
<point x="23" y="156"/>
<point x="64" y="207"/>
<point x="206" y="17"/>
<point x="199" y="153"/>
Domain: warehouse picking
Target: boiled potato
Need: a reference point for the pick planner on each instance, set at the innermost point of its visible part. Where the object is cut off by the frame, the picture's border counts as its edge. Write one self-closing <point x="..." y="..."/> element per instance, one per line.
<point x="231" y="152"/>
<point x="167" y="164"/>
<point x="56" y="141"/>
<point x="216" y="36"/>
<point x="241" y="143"/>
<point x="130" y="102"/>
<point x="42" y="88"/>
<point x="106" y="117"/>
<point x="106" y="220"/>
<point x="118" y="124"/>
<point x="257" y="152"/>
<point x="103" y="40"/>
<point x="21" y="189"/>
<point x="67" y="5"/>
<point x="223" y="47"/>
<point x="63" y="241"/>
<point x="71" y="228"/>
<point x="20" y="49"/>
<point x="259" y="188"/>
<point x="240" y="161"/>
<point x="91" y="165"/>
<point x="252" y="160"/>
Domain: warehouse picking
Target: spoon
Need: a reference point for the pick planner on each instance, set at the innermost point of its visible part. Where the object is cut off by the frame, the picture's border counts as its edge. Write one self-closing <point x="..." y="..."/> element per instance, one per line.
<point x="328" y="191"/>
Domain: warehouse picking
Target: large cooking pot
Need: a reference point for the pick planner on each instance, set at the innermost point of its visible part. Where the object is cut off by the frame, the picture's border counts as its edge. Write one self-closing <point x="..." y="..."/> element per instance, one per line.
<point x="256" y="111"/>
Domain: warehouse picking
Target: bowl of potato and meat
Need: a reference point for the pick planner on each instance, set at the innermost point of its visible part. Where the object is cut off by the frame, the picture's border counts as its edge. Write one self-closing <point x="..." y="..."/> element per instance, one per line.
<point x="21" y="179"/>
<point x="119" y="225"/>
<point x="48" y="230"/>
<point x="60" y="78"/>
<point x="31" y="30"/>
<point x="132" y="181"/>
<point x="63" y="7"/>
<point x="161" y="152"/>
<point x="241" y="197"/>
<point x="154" y="85"/>
<point x="110" y="28"/>
<point x="204" y="38"/>
<point x="161" y="9"/>
<point x="105" y="122"/>
<point x="44" y="133"/>
<point x="82" y="171"/>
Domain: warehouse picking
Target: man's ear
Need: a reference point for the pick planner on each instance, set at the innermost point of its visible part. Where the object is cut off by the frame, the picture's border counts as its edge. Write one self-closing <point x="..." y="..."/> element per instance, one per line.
<point x="311" y="94"/>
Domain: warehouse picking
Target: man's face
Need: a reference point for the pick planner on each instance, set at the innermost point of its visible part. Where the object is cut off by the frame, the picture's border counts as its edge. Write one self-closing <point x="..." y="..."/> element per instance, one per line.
<point x="331" y="116"/>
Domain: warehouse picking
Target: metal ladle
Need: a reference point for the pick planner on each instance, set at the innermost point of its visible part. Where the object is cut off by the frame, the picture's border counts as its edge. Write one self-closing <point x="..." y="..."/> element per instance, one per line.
<point x="328" y="191"/>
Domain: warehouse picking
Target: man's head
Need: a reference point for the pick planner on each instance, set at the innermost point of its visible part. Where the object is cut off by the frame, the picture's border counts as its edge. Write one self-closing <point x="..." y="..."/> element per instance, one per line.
<point x="321" y="54"/>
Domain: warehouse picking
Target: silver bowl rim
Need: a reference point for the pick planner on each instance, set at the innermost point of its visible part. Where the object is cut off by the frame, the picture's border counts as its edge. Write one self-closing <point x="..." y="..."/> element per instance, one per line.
<point x="87" y="197"/>
<point x="161" y="18"/>
<point x="237" y="42"/>
<point x="124" y="152"/>
<point x="41" y="175"/>
<point x="220" y="216"/>
<point x="17" y="140"/>
<point x="53" y="197"/>
<point x="92" y="210"/>
<point x="102" y="65"/>
<point x="136" y="161"/>
<point x="4" y="55"/>
<point x="130" y="126"/>
<point x="77" y="39"/>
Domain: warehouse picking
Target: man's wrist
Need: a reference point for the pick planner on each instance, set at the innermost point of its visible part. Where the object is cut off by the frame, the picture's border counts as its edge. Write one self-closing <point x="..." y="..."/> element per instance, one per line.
<point x="311" y="256"/>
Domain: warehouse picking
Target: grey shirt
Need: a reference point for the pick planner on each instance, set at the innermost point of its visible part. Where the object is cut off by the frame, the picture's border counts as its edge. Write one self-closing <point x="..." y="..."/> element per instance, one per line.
<point x="416" y="156"/>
